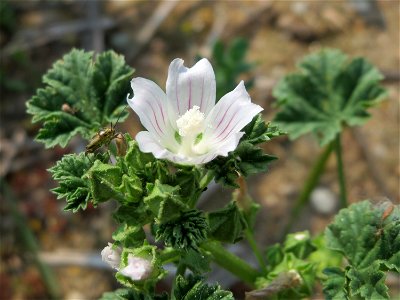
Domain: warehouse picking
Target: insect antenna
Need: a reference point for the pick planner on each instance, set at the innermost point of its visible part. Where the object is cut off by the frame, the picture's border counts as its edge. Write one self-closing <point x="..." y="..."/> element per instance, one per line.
<point x="119" y="116"/>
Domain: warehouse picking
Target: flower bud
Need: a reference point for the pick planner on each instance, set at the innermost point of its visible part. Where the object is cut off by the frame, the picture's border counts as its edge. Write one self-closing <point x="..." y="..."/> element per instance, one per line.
<point x="138" y="268"/>
<point x="111" y="256"/>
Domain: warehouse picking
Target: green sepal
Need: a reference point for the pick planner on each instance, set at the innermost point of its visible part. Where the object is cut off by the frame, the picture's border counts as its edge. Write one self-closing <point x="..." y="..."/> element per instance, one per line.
<point x="129" y="236"/>
<point x="227" y="224"/>
<point x="70" y="172"/>
<point x="193" y="287"/>
<point x="327" y="94"/>
<point x="185" y="232"/>
<point x="257" y="131"/>
<point x="81" y="95"/>
<point x="290" y="263"/>
<point x="104" y="180"/>
<point x="149" y="253"/>
<point x="131" y="187"/>
<point x="300" y="244"/>
<point x="162" y="200"/>
<point x="246" y="160"/>
<point x="323" y="256"/>
<point x="130" y="294"/>
<point x="134" y="214"/>
<point x="274" y="255"/>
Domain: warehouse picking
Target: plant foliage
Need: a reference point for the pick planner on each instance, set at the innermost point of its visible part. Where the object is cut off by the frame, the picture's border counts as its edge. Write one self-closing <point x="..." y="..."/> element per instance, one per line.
<point x="326" y="94"/>
<point x="80" y="96"/>
<point x="194" y="287"/>
<point x="369" y="238"/>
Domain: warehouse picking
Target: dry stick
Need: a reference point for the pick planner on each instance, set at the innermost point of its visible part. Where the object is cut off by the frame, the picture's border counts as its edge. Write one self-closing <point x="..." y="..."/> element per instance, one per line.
<point x="371" y="165"/>
<point x="30" y="242"/>
<point x="96" y="32"/>
<point x="150" y="27"/>
<point x="29" y="39"/>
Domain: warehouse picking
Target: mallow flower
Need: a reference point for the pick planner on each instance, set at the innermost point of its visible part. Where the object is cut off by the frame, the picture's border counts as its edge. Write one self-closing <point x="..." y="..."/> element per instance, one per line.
<point x="138" y="268"/>
<point x="112" y="256"/>
<point x="185" y="125"/>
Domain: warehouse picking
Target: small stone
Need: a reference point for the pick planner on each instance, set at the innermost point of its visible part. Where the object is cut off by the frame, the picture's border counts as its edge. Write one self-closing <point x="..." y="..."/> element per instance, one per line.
<point x="323" y="200"/>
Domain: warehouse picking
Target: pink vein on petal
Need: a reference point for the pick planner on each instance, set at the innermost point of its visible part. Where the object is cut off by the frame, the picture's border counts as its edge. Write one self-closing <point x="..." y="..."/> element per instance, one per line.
<point x="154" y="115"/>
<point x="202" y="92"/>
<point x="230" y="121"/>
<point x="158" y="104"/>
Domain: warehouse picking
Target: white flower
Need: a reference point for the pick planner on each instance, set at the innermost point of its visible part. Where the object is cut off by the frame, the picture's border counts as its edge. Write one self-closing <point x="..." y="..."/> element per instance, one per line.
<point x="138" y="268"/>
<point x="111" y="256"/>
<point x="185" y="125"/>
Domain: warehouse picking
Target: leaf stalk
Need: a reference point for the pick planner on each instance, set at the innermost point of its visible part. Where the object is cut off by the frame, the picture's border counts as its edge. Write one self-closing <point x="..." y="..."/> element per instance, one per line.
<point x="311" y="182"/>
<point x="340" y="169"/>
<point x="231" y="262"/>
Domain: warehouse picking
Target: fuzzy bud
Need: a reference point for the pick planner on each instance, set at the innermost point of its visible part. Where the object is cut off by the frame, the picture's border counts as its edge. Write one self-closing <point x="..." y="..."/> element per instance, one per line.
<point x="111" y="256"/>
<point x="138" y="268"/>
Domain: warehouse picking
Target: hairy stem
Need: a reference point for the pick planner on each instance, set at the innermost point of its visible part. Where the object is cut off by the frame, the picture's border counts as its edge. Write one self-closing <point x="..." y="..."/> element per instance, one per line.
<point x="310" y="184"/>
<point x="257" y="253"/>
<point x="244" y="201"/>
<point x="231" y="262"/>
<point x="341" y="175"/>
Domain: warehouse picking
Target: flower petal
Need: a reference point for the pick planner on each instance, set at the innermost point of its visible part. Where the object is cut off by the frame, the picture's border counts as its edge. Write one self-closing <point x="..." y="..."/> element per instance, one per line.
<point x="188" y="87"/>
<point x="230" y="115"/>
<point x="150" y="104"/>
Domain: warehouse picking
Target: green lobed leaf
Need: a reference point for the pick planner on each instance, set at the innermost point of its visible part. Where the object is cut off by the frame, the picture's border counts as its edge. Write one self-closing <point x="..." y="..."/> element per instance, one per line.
<point x="193" y="287"/>
<point x="335" y="285"/>
<point x="326" y="94"/>
<point x="80" y="96"/>
<point x="227" y="224"/>
<point x="369" y="282"/>
<point x="369" y="238"/>
<point x="185" y="232"/>
<point x="70" y="172"/>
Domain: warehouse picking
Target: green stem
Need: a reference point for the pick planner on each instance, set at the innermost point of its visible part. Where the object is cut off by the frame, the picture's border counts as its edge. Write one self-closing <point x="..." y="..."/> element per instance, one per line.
<point x="179" y="271"/>
<point x="169" y="255"/>
<point x="310" y="184"/>
<point x="231" y="262"/>
<point x="253" y="245"/>
<point x="342" y="178"/>
<point x="29" y="240"/>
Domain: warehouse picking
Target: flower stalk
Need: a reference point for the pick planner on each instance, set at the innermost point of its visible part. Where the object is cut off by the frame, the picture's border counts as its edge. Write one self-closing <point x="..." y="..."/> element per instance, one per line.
<point x="231" y="262"/>
<point x="311" y="182"/>
<point x="340" y="169"/>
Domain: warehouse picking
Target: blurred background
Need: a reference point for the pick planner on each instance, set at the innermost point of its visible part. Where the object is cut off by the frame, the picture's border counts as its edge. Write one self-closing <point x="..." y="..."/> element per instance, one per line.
<point x="41" y="243"/>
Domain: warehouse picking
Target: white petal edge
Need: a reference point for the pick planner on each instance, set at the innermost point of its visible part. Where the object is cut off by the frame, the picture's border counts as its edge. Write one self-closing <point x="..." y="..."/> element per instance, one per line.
<point x="233" y="112"/>
<point x="150" y="103"/>
<point x="187" y="87"/>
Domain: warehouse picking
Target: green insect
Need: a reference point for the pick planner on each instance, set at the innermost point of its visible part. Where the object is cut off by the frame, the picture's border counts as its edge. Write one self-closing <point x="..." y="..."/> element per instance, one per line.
<point x="103" y="137"/>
